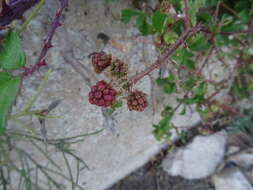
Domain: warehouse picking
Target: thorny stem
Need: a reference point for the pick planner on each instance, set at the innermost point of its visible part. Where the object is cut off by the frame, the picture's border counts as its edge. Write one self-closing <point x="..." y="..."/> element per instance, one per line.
<point x="229" y="9"/>
<point x="48" y="41"/>
<point x="168" y="52"/>
<point x="240" y="32"/>
<point x="34" y="14"/>
<point x="186" y="12"/>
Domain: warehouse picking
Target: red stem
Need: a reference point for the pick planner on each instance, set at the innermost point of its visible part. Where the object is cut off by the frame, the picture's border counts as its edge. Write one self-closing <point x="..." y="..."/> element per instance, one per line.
<point x="48" y="41"/>
<point x="186" y="12"/>
<point x="165" y="56"/>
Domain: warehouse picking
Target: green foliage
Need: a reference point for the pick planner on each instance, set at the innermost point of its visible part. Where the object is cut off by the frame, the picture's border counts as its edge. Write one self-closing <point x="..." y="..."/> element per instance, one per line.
<point x="9" y="87"/>
<point x="194" y="6"/>
<point x="198" y="96"/>
<point x="184" y="57"/>
<point x="168" y="84"/>
<point x="159" y="21"/>
<point x="223" y="23"/>
<point x="127" y="14"/>
<point x="243" y="124"/>
<point x="198" y="43"/>
<point x="163" y="129"/>
<point x="12" y="55"/>
<point x="115" y="106"/>
<point x="147" y="24"/>
<point x="170" y="37"/>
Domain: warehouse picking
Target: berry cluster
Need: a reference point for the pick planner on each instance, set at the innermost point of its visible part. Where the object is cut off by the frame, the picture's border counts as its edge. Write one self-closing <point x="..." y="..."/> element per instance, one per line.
<point x="102" y="94"/>
<point x="137" y="101"/>
<point x="100" y="61"/>
<point x="119" y="69"/>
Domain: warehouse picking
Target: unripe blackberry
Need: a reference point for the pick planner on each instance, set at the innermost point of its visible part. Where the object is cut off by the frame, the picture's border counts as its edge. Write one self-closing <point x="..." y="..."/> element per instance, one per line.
<point x="165" y="7"/>
<point x="118" y="69"/>
<point x="100" y="61"/>
<point x="102" y="94"/>
<point x="137" y="101"/>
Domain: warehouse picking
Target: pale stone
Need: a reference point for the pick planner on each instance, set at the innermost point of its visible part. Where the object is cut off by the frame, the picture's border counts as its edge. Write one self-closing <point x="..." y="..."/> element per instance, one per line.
<point x="231" y="178"/>
<point x="198" y="159"/>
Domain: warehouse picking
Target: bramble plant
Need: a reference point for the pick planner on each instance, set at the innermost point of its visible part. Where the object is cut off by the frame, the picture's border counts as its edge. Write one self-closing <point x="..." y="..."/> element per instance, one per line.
<point x="188" y="33"/>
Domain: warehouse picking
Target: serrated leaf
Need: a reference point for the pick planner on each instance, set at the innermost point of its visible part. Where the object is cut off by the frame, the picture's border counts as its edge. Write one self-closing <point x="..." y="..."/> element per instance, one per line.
<point x="12" y="55"/>
<point x="183" y="57"/>
<point x="142" y="24"/>
<point x="194" y="6"/>
<point x="198" y="43"/>
<point x="200" y="89"/>
<point x="167" y="84"/>
<point x="170" y="37"/>
<point x="222" y="40"/>
<point x="127" y="14"/>
<point x="9" y="87"/>
<point x="159" y="21"/>
<point x="232" y="28"/>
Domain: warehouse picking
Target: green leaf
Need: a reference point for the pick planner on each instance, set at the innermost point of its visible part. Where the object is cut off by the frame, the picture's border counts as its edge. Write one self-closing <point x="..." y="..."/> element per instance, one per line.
<point x="162" y="129"/>
<point x="176" y="4"/>
<point x="194" y="6"/>
<point x="222" y="40"/>
<point x="159" y="21"/>
<point x="115" y="106"/>
<point x="167" y="84"/>
<point x="9" y="87"/>
<point x="170" y="37"/>
<point x="232" y="28"/>
<point x="200" y="89"/>
<point x="189" y="83"/>
<point x="142" y="24"/>
<point x="198" y="43"/>
<point x="127" y="14"/>
<point x="12" y="55"/>
<point x="183" y="57"/>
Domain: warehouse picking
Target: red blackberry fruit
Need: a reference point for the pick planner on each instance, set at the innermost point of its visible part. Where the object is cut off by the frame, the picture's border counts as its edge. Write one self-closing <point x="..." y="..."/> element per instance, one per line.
<point x="100" y="61"/>
<point x="102" y="94"/>
<point x="137" y="101"/>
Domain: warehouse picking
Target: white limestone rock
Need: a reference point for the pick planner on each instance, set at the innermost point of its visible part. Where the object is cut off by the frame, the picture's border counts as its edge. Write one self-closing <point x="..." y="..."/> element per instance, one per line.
<point x="198" y="159"/>
<point x="231" y="179"/>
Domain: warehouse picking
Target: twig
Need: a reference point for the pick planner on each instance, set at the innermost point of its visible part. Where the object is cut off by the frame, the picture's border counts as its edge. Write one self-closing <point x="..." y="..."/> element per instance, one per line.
<point x="206" y="59"/>
<point x="240" y="32"/>
<point x="229" y="9"/>
<point x="165" y="56"/>
<point x="48" y="41"/>
<point x="186" y="12"/>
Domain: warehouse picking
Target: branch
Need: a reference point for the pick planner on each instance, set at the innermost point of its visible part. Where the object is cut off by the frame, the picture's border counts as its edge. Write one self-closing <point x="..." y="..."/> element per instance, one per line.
<point x="168" y="52"/>
<point x="48" y="41"/>
<point x="186" y="12"/>
<point x="240" y="32"/>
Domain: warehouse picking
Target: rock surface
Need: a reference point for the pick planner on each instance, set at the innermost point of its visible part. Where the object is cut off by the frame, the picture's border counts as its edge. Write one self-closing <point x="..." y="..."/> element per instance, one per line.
<point x="198" y="159"/>
<point x="231" y="179"/>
